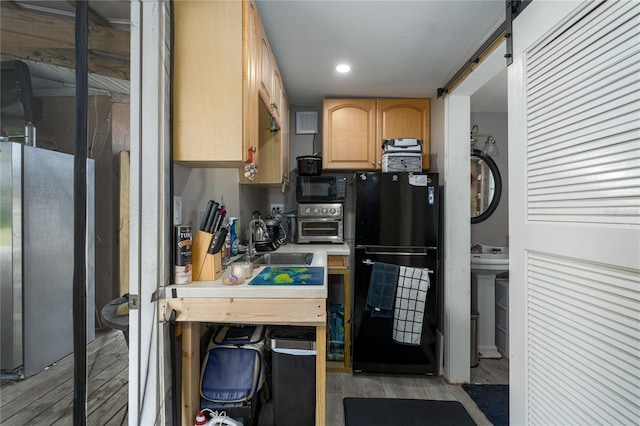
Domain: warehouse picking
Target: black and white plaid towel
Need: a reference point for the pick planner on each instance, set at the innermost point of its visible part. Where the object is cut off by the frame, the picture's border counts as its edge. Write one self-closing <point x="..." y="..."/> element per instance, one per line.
<point x="411" y="296"/>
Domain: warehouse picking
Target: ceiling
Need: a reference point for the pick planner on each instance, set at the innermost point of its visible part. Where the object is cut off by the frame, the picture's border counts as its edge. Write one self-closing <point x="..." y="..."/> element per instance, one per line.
<point x="395" y="48"/>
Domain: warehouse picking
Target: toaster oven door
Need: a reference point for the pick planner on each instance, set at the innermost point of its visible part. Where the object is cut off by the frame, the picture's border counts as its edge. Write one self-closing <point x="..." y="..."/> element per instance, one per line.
<point x="320" y="230"/>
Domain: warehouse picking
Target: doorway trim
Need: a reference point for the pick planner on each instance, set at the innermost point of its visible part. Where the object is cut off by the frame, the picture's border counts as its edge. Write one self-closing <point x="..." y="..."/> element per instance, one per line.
<point x="457" y="227"/>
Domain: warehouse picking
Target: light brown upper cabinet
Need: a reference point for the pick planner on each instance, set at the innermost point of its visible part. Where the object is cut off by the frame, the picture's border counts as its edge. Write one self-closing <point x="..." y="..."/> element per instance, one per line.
<point x="354" y="129"/>
<point x="273" y="146"/>
<point x="250" y="94"/>
<point x="270" y="82"/>
<point x="224" y="71"/>
<point x="212" y="54"/>
<point x="272" y="121"/>
<point x="404" y="118"/>
<point x="349" y="134"/>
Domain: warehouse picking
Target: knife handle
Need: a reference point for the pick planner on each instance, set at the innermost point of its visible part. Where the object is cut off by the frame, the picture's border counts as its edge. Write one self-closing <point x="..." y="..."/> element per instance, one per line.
<point x="211" y="219"/>
<point x="205" y="216"/>
<point x="220" y="220"/>
<point x="218" y="240"/>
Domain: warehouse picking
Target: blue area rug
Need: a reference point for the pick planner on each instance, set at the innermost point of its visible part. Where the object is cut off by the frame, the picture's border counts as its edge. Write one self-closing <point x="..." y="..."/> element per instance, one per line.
<point x="492" y="400"/>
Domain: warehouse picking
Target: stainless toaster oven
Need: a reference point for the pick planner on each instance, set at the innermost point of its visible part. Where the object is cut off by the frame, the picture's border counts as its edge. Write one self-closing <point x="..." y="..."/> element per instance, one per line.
<point x="320" y="223"/>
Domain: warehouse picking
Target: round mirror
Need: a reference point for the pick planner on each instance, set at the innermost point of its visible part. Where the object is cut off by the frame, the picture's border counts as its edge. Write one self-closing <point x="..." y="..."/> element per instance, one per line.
<point x="486" y="186"/>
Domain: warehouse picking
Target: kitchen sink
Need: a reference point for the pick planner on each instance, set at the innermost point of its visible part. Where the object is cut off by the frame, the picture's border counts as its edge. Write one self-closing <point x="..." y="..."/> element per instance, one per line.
<point x="278" y="259"/>
<point x="284" y="259"/>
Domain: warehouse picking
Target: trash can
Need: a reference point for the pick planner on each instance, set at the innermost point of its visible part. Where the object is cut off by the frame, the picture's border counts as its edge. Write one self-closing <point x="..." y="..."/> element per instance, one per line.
<point x="293" y="363"/>
<point x="474" y="340"/>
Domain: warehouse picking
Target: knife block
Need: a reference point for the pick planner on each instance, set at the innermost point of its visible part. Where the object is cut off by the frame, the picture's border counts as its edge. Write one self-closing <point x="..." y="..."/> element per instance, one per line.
<point x="206" y="267"/>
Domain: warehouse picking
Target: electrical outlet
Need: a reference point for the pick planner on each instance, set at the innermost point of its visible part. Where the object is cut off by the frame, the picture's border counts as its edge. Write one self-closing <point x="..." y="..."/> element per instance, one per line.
<point x="277" y="209"/>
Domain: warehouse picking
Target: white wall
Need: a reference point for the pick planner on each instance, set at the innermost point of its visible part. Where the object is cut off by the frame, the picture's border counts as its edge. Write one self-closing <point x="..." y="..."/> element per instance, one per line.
<point x="301" y="145"/>
<point x="260" y="198"/>
<point x="457" y="298"/>
<point x="254" y="198"/>
<point x="197" y="186"/>
<point x="457" y="260"/>
<point x="494" y="231"/>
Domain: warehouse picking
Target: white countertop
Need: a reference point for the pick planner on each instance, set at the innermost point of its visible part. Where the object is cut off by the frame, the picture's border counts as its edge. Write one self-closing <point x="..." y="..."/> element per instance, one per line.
<point x="204" y="289"/>
<point x="329" y="249"/>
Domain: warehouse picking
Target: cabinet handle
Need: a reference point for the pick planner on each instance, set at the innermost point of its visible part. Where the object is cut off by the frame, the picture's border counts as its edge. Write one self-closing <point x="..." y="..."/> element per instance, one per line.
<point x="373" y="162"/>
<point x="379" y="163"/>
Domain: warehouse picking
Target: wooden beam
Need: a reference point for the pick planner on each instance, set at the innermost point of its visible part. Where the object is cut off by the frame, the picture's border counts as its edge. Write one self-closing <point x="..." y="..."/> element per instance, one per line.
<point x="94" y="17"/>
<point x="11" y="40"/>
<point x="321" y="374"/>
<point x="66" y="58"/>
<point x="48" y="29"/>
<point x="190" y="371"/>
<point x="123" y="227"/>
<point x="312" y="312"/>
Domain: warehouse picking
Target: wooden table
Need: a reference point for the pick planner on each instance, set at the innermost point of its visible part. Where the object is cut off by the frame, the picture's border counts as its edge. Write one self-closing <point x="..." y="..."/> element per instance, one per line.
<point x="192" y="311"/>
<point x="210" y="301"/>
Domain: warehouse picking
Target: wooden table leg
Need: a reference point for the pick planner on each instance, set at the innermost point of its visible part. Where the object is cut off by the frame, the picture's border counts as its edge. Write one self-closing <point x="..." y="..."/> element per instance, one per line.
<point x="190" y="371"/>
<point x="321" y="374"/>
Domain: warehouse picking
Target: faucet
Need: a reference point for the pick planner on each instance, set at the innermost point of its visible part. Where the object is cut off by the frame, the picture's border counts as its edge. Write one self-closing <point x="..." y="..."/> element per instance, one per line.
<point x="280" y="217"/>
<point x="251" y="250"/>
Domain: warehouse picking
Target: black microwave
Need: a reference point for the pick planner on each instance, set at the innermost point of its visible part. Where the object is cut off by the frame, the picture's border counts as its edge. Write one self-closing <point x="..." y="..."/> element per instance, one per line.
<point x="321" y="189"/>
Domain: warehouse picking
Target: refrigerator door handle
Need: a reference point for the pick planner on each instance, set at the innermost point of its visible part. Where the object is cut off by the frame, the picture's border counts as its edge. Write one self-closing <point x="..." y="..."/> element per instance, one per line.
<point x="370" y="262"/>
<point x="397" y="253"/>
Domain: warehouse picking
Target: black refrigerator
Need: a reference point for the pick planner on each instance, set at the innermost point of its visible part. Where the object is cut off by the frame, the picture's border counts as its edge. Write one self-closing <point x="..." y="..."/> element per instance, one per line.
<point x="398" y="223"/>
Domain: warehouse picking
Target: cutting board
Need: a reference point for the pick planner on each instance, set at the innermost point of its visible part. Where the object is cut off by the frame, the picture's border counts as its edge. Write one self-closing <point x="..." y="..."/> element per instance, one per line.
<point x="289" y="275"/>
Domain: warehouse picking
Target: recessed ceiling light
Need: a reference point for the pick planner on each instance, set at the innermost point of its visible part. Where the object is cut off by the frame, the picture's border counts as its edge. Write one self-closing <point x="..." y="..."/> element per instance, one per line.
<point x="343" y="68"/>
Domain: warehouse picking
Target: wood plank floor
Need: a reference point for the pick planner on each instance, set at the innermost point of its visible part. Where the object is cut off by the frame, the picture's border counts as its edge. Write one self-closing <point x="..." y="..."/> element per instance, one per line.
<point x="47" y="397"/>
<point x="341" y="385"/>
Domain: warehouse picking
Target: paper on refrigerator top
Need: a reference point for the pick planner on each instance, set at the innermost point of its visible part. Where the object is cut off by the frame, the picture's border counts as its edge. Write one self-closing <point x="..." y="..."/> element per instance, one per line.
<point x="418" y="180"/>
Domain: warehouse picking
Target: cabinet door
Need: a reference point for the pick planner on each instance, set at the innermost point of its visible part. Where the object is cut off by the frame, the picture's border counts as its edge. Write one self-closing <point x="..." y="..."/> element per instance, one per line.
<point x="266" y="68"/>
<point x="349" y="134"/>
<point x="270" y="149"/>
<point x="207" y="39"/>
<point x="267" y="98"/>
<point x="251" y="37"/>
<point x="276" y="96"/>
<point x="285" y="130"/>
<point x="404" y="118"/>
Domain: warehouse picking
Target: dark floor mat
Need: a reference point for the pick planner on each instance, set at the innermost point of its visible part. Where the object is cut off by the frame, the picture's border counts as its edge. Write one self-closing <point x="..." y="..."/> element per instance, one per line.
<point x="406" y="412"/>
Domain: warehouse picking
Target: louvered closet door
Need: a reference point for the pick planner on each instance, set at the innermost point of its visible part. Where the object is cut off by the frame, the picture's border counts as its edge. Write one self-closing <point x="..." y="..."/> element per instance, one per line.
<point x="574" y="190"/>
